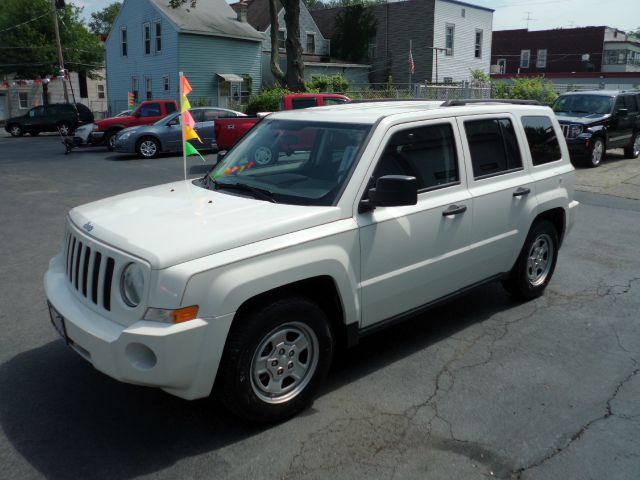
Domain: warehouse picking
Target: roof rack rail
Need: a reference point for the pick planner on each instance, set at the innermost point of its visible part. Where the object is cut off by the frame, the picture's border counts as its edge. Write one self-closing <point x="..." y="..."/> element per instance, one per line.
<point x="462" y="102"/>
<point x="375" y="100"/>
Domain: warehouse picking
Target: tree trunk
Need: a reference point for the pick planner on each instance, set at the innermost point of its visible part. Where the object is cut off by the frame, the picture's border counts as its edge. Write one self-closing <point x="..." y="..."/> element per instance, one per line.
<point x="295" y="64"/>
<point x="275" y="50"/>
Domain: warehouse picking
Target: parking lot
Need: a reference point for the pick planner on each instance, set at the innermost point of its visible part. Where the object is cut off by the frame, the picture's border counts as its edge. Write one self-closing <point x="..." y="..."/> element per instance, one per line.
<point x="482" y="387"/>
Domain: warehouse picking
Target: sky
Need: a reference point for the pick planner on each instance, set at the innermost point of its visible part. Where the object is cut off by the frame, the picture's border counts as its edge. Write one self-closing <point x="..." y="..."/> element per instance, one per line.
<point x="509" y="14"/>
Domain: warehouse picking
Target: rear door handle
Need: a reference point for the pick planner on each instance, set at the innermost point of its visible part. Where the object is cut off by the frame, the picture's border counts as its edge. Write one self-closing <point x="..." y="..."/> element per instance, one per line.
<point x="454" y="210"/>
<point x="521" y="191"/>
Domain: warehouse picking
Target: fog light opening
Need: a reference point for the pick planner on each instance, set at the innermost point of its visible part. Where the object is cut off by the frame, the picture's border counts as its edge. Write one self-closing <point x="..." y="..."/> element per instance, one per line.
<point x="141" y="356"/>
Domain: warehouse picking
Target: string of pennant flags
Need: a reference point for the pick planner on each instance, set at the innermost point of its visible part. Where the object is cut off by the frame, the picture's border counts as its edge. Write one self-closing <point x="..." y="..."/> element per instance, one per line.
<point x="22" y="83"/>
<point x="188" y="123"/>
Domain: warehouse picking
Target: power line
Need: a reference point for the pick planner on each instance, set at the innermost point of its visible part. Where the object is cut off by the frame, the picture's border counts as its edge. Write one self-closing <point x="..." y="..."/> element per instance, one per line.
<point x="24" y="23"/>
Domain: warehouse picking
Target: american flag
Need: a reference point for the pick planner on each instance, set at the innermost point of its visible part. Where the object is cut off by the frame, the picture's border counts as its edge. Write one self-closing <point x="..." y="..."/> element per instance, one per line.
<point x="412" y="64"/>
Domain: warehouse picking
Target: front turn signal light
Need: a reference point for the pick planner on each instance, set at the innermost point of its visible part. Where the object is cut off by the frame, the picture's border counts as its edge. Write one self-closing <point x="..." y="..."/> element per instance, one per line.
<point x="172" y="316"/>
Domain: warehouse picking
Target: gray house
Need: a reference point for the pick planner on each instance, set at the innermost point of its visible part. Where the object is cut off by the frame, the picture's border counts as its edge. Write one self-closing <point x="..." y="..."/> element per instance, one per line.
<point x="150" y="43"/>
<point x="315" y="47"/>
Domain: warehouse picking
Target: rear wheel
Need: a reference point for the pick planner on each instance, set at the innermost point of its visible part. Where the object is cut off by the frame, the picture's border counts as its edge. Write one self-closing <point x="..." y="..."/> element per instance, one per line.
<point x="110" y="140"/>
<point x="633" y="150"/>
<point x="148" y="147"/>
<point x="65" y="129"/>
<point x="276" y="356"/>
<point x="15" y="130"/>
<point x="596" y="153"/>
<point x="536" y="263"/>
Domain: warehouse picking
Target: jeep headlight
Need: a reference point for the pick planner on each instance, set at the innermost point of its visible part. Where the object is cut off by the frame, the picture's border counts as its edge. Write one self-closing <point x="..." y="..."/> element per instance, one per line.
<point x="132" y="284"/>
<point x="575" y="130"/>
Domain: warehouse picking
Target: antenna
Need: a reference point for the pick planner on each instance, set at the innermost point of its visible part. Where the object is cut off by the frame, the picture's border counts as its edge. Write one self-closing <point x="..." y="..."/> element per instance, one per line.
<point x="529" y="19"/>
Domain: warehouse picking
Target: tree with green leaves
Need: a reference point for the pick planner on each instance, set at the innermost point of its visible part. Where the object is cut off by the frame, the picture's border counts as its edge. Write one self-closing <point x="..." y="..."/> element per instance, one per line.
<point x="102" y="20"/>
<point x="293" y="78"/>
<point x="28" y="46"/>
<point x="355" y="26"/>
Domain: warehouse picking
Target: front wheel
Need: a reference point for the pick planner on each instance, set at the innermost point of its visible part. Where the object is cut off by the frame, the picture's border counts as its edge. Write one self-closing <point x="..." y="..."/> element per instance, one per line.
<point x="65" y="129"/>
<point x="276" y="357"/>
<point x="596" y="153"/>
<point x="633" y="150"/>
<point x="110" y="140"/>
<point x="536" y="263"/>
<point x="148" y="147"/>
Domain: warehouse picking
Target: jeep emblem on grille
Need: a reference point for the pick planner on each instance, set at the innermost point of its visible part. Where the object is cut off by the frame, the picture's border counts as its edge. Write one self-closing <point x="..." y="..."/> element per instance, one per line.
<point x="87" y="226"/>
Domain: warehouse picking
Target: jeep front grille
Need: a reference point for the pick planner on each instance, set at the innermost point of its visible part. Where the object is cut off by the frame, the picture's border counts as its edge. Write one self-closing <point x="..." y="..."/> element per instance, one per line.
<point x="89" y="271"/>
<point x="565" y="130"/>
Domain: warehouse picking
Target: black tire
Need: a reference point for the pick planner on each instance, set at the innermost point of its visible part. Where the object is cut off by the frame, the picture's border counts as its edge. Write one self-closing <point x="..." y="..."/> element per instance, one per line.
<point x="264" y="155"/>
<point x="148" y="147"/>
<point x="596" y="153"/>
<point x="241" y="386"/>
<point x="34" y="133"/>
<point x="109" y="139"/>
<point x="15" y="130"/>
<point x="536" y="263"/>
<point x="633" y="150"/>
<point x="65" y="129"/>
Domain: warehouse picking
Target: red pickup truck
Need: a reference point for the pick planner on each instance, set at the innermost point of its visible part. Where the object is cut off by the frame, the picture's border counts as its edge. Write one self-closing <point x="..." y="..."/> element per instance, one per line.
<point x="229" y="130"/>
<point x="149" y="111"/>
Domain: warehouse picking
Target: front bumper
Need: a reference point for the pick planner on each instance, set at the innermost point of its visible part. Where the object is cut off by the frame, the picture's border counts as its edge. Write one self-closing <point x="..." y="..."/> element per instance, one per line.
<point x="125" y="146"/>
<point x="181" y="359"/>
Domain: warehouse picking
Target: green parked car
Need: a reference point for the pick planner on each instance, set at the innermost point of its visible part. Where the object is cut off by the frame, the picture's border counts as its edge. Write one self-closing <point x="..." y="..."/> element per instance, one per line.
<point x="62" y="117"/>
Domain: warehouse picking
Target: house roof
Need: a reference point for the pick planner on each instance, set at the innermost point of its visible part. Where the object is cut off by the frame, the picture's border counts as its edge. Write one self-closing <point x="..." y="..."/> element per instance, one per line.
<point x="208" y="17"/>
<point x="258" y="13"/>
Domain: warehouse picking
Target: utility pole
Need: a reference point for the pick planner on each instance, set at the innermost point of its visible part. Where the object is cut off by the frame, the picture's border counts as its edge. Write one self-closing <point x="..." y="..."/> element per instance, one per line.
<point x="529" y="19"/>
<point x="56" y="5"/>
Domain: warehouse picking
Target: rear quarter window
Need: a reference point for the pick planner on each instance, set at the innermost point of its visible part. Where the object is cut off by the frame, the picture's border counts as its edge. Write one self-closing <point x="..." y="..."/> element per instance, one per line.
<point x="542" y="139"/>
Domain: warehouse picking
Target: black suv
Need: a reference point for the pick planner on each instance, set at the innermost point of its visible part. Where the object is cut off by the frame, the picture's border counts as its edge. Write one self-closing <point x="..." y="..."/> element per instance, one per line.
<point x="62" y="117"/>
<point x="593" y="121"/>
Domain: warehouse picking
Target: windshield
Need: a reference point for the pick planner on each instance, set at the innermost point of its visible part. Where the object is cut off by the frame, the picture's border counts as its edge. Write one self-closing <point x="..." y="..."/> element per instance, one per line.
<point x="297" y="162"/>
<point x="583" y="104"/>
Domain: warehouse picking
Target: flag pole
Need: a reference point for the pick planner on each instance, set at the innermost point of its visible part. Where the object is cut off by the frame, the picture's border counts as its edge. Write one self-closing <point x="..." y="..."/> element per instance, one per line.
<point x="410" y="65"/>
<point x="184" y="147"/>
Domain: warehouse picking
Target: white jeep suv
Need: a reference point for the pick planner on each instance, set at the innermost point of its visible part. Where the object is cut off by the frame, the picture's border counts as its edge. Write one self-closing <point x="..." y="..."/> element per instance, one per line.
<point x="246" y="281"/>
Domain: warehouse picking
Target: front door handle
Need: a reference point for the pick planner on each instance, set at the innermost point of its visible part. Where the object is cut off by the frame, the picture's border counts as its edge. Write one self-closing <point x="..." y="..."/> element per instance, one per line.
<point x="521" y="191"/>
<point x="454" y="210"/>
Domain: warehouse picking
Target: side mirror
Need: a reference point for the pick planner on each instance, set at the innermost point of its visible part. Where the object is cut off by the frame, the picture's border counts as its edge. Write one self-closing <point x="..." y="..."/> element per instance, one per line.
<point x="623" y="112"/>
<point x="392" y="191"/>
<point x="136" y="114"/>
<point x="173" y="122"/>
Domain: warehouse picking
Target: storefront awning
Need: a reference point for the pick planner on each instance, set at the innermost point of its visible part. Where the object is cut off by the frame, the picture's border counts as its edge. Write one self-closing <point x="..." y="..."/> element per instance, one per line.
<point x="230" y="77"/>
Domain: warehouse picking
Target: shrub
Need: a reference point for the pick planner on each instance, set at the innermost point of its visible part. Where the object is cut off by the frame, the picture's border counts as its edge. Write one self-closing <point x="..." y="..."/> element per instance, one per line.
<point x="268" y="100"/>
<point x="526" y="89"/>
<point x="324" y="83"/>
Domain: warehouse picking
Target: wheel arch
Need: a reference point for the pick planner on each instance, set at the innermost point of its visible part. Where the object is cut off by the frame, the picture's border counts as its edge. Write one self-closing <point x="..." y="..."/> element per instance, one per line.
<point x="558" y="218"/>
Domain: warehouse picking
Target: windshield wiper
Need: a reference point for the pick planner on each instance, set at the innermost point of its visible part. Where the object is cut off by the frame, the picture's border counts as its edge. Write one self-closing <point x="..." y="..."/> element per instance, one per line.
<point x="259" y="193"/>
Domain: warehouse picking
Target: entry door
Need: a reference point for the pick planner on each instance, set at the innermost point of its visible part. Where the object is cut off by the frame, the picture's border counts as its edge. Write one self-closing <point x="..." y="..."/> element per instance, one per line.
<point x="412" y="255"/>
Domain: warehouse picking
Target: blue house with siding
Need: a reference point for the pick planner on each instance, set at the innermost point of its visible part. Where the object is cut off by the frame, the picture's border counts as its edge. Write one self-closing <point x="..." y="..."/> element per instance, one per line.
<point x="150" y="42"/>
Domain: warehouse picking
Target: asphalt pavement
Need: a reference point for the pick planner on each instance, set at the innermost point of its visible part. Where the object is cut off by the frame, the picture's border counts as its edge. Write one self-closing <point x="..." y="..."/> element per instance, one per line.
<point x="482" y="387"/>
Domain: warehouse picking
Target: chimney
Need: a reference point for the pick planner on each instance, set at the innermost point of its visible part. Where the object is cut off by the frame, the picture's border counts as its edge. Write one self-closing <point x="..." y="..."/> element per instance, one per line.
<point x="242" y="11"/>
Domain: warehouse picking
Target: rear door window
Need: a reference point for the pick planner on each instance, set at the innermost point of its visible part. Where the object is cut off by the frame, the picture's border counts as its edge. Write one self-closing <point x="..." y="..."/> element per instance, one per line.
<point x="493" y="146"/>
<point x="542" y="139"/>
<point x="150" y="110"/>
<point x="171" y="107"/>
<point x="629" y="103"/>
<point x="297" y="103"/>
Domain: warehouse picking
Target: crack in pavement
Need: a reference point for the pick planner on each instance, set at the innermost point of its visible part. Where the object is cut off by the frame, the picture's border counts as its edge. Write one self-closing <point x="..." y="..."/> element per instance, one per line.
<point x="387" y="435"/>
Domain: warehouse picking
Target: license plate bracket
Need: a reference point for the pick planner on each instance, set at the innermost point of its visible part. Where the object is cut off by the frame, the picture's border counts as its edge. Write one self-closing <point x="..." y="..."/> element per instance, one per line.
<point x="58" y="322"/>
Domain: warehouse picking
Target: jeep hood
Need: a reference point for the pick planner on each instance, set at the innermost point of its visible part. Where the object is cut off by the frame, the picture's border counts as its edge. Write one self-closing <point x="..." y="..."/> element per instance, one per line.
<point x="177" y="222"/>
<point x="581" y="118"/>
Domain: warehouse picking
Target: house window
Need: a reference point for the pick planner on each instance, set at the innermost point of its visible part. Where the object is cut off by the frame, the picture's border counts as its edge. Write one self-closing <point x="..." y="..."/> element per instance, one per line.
<point x="123" y="41"/>
<point x="165" y="83"/>
<point x="23" y="99"/>
<point x="134" y="87"/>
<point x="100" y="91"/>
<point x="158" y="37"/>
<point x="541" y="59"/>
<point x="372" y="50"/>
<point x="525" y="55"/>
<point x="502" y="64"/>
<point x="147" y="87"/>
<point x="447" y="79"/>
<point x="478" y="46"/>
<point x="146" y="33"/>
<point x="281" y="39"/>
<point x="311" y="43"/>
<point x="463" y="13"/>
<point x="448" y="38"/>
